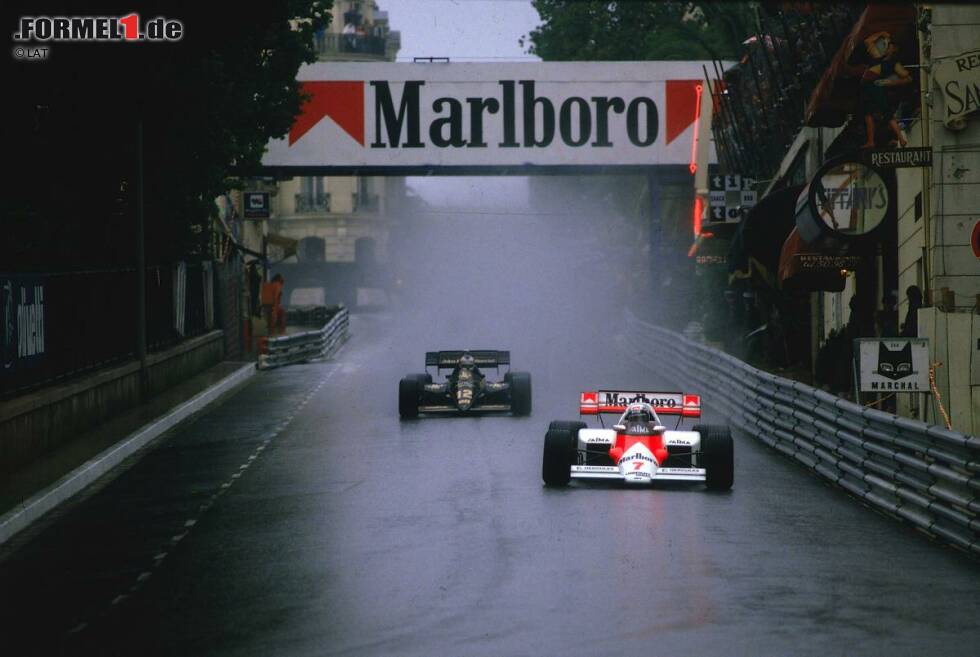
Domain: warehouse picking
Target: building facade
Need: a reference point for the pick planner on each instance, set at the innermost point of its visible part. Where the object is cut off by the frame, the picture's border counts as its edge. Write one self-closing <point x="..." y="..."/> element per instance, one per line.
<point x="823" y="97"/>
<point x="326" y="234"/>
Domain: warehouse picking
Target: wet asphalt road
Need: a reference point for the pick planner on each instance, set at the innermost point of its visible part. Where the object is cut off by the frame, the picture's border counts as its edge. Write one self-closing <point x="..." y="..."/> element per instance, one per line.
<point x="301" y="517"/>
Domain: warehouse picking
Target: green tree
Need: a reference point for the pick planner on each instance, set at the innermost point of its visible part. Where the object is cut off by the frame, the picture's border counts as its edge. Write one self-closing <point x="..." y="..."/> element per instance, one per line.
<point x="208" y="104"/>
<point x="636" y="31"/>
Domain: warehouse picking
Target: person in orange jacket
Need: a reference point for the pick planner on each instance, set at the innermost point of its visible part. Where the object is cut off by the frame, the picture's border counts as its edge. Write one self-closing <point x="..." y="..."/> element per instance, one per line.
<point x="275" y="314"/>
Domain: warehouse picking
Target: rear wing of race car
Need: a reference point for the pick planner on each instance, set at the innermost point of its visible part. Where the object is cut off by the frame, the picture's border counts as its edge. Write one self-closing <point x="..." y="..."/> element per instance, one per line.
<point x="616" y="401"/>
<point x="446" y="360"/>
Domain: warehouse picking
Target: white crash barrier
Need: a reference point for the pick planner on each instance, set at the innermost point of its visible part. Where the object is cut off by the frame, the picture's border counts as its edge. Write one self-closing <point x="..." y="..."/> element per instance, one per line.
<point x="920" y="473"/>
<point x="308" y="345"/>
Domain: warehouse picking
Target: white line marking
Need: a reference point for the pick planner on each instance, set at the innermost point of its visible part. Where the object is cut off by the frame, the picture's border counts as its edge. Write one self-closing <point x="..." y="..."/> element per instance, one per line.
<point x="158" y="559"/>
<point x="80" y="478"/>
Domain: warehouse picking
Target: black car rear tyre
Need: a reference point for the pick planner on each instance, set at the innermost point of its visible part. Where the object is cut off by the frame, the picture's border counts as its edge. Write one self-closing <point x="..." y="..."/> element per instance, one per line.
<point x="426" y="378"/>
<point x="560" y="446"/>
<point x="717" y="456"/>
<point x="409" y="389"/>
<point x="520" y="392"/>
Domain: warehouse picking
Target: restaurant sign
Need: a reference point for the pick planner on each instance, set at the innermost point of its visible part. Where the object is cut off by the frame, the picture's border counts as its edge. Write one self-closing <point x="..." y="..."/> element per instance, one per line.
<point x="843" y="199"/>
<point x="895" y="158"/>
<point x="958" y="78"/>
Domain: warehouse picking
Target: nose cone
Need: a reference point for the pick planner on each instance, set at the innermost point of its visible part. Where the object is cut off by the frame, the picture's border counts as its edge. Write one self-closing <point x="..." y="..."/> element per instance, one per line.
<point x="464" y="398"/>
<point x="638" y="465"/>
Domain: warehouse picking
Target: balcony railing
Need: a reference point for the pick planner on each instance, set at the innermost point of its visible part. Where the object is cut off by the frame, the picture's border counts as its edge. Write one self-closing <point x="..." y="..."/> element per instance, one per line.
<point x="331" y="44"/>
<point x="312" y="203"/>
<point x="760" y="102"/>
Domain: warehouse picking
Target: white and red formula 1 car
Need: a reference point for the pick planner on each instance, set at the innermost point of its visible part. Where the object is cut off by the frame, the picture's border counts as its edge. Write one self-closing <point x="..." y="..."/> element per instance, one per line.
<point x="638" y="449"/>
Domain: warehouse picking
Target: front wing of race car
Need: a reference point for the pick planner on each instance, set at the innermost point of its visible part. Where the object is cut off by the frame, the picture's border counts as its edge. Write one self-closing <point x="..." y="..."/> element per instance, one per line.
<point x="620" y="473"/>
<point x="494" y="398"/>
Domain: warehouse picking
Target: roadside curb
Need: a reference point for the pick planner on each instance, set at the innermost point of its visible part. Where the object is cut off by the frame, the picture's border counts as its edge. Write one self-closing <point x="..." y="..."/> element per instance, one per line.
<point x="23" y="515"/>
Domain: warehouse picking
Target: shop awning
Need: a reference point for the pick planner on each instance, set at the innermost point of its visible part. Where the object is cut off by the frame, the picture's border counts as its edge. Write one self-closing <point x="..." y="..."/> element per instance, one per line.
<point x="836" y="95"/>
<point x="756" y="245"/>
<point x="805" y="267"/>
<point x="287" y="245"/>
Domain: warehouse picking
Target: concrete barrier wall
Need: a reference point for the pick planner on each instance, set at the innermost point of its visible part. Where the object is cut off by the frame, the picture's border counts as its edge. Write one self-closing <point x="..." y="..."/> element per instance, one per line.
<point x="36" y="423"/>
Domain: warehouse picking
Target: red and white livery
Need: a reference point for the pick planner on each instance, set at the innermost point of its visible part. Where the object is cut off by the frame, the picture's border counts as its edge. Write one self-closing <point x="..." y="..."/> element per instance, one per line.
<point x="638" y="449"/>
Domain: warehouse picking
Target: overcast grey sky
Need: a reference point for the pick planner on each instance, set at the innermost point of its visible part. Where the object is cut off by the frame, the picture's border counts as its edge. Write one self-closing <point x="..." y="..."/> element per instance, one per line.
<point x="465" y="30"/>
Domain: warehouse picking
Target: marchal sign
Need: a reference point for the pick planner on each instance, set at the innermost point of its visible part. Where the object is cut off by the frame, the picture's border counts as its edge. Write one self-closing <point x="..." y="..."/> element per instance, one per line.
<point x="452" y="117"/>
<point x="959" y="80"/>
<point x="893" y="365"/>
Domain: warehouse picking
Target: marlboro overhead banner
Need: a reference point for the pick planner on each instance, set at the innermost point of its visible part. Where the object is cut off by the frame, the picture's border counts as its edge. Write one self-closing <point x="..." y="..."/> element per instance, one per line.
<point x="387" y="117"/>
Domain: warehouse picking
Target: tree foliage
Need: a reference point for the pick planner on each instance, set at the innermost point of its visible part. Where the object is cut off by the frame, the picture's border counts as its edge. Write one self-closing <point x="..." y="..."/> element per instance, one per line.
<point x="207" y="103"/>
<point x="640" y="30"/>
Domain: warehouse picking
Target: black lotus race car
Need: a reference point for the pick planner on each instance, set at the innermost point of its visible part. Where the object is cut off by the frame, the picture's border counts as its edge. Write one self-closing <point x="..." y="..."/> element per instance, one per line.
<point x="466" y="389"/>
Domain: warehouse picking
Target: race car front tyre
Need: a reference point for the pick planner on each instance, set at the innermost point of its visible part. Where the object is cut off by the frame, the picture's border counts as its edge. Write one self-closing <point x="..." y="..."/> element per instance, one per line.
<point x="560" y="445"/>
<point x="717" y="456"/>
<point x="408" y="396"/>
<point x="520" y="392"/>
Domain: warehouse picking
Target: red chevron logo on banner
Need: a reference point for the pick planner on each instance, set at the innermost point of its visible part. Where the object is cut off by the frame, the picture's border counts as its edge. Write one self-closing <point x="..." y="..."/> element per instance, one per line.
<point x="682" y="102"/>
<point x="341" y="101"/>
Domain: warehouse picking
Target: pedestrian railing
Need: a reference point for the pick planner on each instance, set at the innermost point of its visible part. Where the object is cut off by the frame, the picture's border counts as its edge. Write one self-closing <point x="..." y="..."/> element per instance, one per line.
<point x="308" y="345"/>
<point x="920" y="473"/>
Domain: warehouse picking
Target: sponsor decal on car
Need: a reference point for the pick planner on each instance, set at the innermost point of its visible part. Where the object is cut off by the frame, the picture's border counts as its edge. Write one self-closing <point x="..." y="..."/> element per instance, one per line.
<point x="609" y="398"/>
<point x="637" y="456"/>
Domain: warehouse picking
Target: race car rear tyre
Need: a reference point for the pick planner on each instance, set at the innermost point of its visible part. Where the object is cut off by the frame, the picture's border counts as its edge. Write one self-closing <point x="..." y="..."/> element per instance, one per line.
<point x="520" y="392"/>
<point x="717" y="456"/>
<point x="408" y="396"/>
<point x="560" y="444"/>
<point x="426" y="378"/>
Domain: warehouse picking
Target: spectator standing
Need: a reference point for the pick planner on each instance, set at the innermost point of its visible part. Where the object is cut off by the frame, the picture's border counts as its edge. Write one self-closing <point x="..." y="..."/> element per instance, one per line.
<point x="887" y="317"/>
<point x="910" y="327"/>
<point x="350" y="36"/>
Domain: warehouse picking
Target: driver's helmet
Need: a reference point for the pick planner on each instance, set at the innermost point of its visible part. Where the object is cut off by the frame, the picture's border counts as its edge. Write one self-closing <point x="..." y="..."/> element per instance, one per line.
<point x="467" y="361"/>
<point x="638" y="414"/>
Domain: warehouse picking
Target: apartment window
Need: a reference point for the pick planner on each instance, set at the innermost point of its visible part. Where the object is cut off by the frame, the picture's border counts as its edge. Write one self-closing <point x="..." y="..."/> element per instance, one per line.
<point x="312" y="187"/>
<point x="312" y="197"/>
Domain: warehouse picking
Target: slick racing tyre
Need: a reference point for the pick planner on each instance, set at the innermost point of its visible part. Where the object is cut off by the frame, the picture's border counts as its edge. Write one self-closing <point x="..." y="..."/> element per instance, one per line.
<point x="717" y="456"/>
<point x="409" y="393"/>
<point x="426" y="378"/>
<point x="520" y="392"/>
<point x="560" y="446"/>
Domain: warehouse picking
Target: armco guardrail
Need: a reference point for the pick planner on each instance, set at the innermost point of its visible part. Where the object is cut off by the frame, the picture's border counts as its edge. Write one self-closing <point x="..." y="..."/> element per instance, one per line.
<point x="920" y="473"/>
<point x="316" y="343"/>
